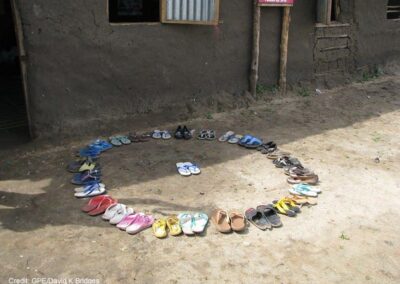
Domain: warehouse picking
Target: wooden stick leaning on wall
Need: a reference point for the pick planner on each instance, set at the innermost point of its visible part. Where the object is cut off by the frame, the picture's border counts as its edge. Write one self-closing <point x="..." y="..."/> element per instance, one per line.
<point x="284" y="49"/>
<point x="256" y="48"/>
<point x="22" y="59"/>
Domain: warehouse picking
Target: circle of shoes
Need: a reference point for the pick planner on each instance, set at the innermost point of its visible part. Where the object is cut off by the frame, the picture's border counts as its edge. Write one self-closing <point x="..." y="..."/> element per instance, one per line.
<point x="88" y="176"/>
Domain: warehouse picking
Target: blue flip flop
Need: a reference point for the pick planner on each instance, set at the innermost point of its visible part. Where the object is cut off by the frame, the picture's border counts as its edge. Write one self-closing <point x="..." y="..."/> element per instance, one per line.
<point x="253" y="143"/>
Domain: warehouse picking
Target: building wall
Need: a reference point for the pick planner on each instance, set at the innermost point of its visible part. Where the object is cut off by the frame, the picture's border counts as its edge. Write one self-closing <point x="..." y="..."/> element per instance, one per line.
<point x="378" y="39"/>
<point x="85" y="73"/>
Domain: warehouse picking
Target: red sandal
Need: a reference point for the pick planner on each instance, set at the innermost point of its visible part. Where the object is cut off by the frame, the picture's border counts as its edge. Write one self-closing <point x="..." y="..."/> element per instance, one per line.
<point x="102" y="207"/>
<point x="94" y="203"/>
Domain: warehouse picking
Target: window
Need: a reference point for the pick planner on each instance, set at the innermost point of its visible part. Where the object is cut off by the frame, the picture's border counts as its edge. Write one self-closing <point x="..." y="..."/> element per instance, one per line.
<point x="393" y="9"/>
<point x="133" y="11"/>
<point x="200" y="12"/>
<point x="190" y="11"/>
<point x="328" y="11"/>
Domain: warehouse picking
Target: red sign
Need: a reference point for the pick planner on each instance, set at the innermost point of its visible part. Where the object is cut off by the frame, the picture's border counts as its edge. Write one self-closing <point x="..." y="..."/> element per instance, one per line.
<point x="276" y="2"/>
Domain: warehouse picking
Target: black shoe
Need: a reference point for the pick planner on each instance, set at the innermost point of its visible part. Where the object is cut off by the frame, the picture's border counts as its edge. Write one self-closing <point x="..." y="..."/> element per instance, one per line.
<point x="186" y="133"/>
<point x="179" y="133"/>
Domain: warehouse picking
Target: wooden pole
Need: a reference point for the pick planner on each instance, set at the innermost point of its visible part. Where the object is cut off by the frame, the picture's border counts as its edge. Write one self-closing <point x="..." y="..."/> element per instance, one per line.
<point x="22" y="59"/>
<point x="256" y="48"/>
<point x="284" y="49"/>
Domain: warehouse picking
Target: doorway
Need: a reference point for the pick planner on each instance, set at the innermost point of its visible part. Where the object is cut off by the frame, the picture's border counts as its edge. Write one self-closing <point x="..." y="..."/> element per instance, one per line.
<point x="14" y="128"/>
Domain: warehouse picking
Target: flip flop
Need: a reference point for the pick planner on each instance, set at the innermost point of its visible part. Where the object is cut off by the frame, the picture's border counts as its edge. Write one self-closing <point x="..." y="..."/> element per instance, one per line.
<point x="141" y="223"/>
<point x="193" y="168"/>
<point x="226" y="136"/>
<point x="221" y="220"/>
<point x="182" y="169"/>
<point x="83" y="188"/>
<point x="104" y="204"/>
<point x="121" y="214"/>
<point x="238" y="221"/>
<point x="253" y="143"/>
<point x="102" y="145"/>
<point x="74" y="167"/>
<point x="235" y="139"/>
<point x="276" y="154"/>
<point x="128" y="220"/>
<point x="311" y="180"/>
<point x="160" y="228"/>
<point x="156" y="134"/>
<point x="296" y="190"/>
<point x="173" y="226"/>
<point x="186" y="222"/>
<point x="87" y="166"/>
<point x="303" y="200"/>
<point x="267" y="146"/>
<point x="91" y="190"/>
<point x="200" y="221"/>
<point x="166" y="135"/>
<point x="115" y="141"/>
<point x="124" y="139"/>
<point x="282" y="207"/>
<point x="258" y="219"/>
<point x="245" y="139"/>
<point x="94" y="202"/>
<point x="308" y="187"/>
<point x="270" y="214"/>
<point x="290" y="203"/>
<point x="111" y="211"/>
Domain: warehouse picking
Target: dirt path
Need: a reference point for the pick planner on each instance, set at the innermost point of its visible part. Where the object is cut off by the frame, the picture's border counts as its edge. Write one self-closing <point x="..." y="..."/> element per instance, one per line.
<point x="350" y="136"/>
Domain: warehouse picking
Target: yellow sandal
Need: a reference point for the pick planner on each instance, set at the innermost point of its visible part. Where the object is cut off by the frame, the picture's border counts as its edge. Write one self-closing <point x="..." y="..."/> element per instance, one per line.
<point x="160" y="228"/>
<point x="282" y="208"/>
<point x="173" y="226"/>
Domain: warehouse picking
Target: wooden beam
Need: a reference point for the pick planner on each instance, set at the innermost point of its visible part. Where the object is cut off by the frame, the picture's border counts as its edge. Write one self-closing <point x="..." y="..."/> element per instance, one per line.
<point x="22" y="59"/>
<point x="255" y="49"/>
<point x="284" y="49"/>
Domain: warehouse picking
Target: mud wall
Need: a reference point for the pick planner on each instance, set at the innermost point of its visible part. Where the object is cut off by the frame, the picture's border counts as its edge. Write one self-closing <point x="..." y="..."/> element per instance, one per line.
<point x="85" y="73"/>
<point x="378" y="39"/>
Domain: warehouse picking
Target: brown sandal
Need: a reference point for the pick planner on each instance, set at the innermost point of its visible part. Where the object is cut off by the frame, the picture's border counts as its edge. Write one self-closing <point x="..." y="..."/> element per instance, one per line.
<point x="221" y="221"/>
<point x="303" y="200"/>
<point x="238" y="221"/>
<point x="311" y="180"/>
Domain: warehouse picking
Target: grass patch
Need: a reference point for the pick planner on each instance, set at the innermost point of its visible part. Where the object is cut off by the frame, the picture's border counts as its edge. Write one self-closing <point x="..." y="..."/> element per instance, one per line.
<point x="344" y="237"/>
<point x="303" y="92"/>
<point x="261" y="89"/>
<point x="209" y="115"/>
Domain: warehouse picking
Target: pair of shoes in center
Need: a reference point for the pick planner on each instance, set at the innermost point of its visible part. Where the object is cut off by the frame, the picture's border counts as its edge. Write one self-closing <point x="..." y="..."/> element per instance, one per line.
<point x="227" y="222"/>
<point x="188" y="169"/>
<point x="183" y="133"/>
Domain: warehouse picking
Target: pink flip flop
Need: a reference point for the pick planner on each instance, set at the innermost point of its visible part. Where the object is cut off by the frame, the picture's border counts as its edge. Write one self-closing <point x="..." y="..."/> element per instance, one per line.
<point x="127" y="221"/>
<point x="141" y="222"/>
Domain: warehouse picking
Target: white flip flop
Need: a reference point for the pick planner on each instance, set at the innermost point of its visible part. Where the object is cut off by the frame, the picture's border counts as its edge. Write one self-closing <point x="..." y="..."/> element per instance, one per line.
<point x="157" y="134"/>
<point x="90" y="191"/>
<point x="186" y="222"/>
<point x="83" y="188"/>
<point x="111" y="211"/>
<point x="302" y="191"/>
<point x="193" y="168"/>
<point x="120" y="214"/>
<point x="226" y="136"/>
<point x="165" y="135"/>
<point x="183" y="170"/>
<point x="200" y="221"/>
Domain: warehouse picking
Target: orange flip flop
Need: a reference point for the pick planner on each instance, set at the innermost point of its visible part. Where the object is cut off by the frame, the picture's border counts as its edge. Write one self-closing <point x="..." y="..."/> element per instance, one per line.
<point x="221" y="221"/>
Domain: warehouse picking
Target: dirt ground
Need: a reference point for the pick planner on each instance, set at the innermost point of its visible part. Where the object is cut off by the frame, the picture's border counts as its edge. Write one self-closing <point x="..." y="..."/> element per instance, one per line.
<point x="349" y="135"/>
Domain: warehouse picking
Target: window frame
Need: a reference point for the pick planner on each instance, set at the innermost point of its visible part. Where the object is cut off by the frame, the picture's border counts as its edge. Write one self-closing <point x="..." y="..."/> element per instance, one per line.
<point x="164" y="20"/>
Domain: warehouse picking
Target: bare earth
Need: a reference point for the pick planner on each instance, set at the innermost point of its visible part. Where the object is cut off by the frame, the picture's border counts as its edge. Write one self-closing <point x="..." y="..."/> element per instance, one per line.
<point x="350" y="136"/>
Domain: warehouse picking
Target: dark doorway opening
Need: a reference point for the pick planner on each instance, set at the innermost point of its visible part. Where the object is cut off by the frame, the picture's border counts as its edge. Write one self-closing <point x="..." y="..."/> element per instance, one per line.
<point x="134" y="11"/>
<point x="13" y="117"/>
